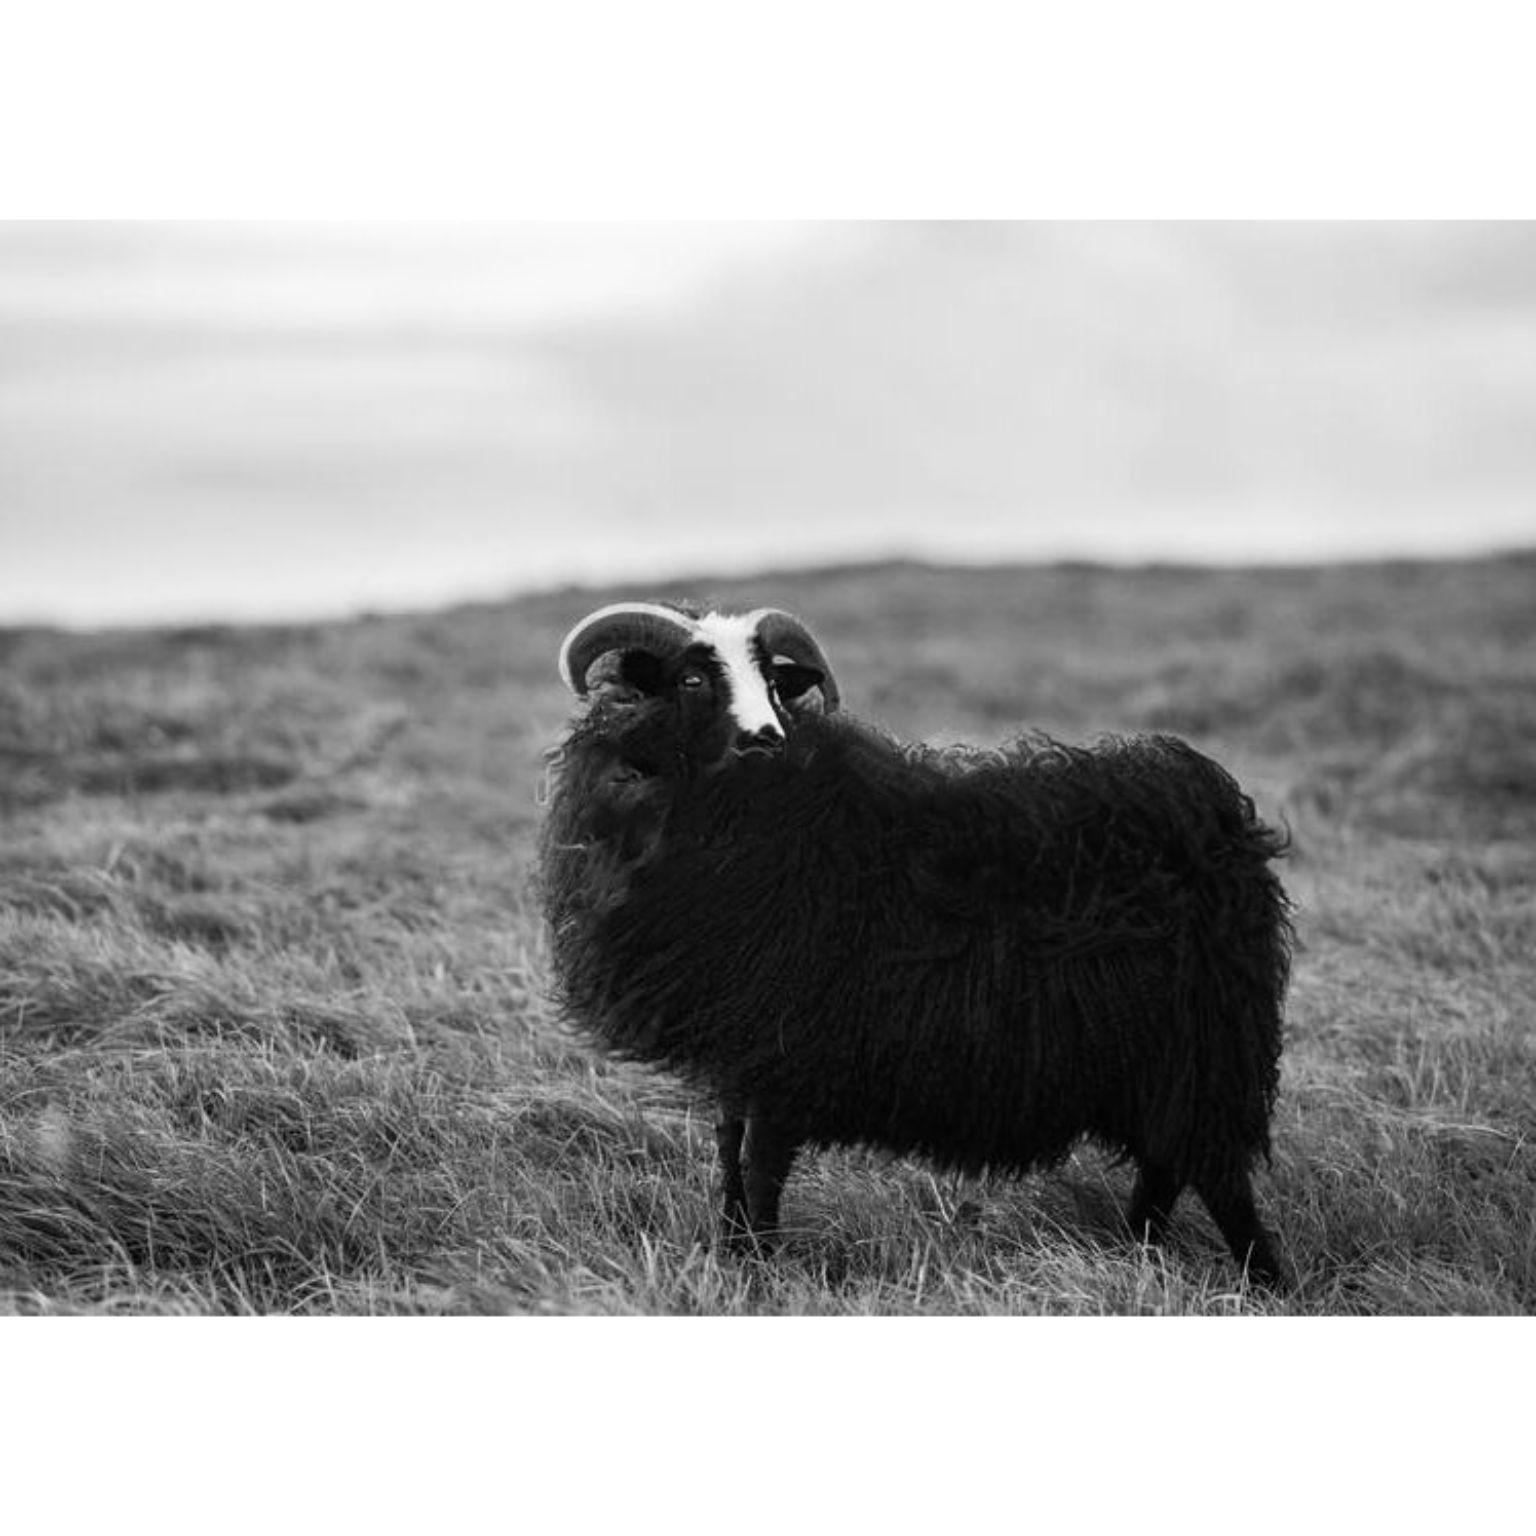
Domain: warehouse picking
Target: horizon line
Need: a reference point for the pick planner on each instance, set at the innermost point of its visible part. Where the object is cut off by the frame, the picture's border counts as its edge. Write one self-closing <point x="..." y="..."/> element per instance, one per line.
<point x="703" y="579"/>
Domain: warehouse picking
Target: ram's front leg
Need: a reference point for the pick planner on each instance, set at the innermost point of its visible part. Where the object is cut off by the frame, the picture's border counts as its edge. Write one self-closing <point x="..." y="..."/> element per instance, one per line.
<point x="730" y="1130"/>
<point x="770" y="1150"/>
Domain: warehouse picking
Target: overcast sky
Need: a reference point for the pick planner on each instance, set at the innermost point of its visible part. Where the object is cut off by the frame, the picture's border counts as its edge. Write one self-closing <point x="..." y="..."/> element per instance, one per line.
<point x="283" y="420"/>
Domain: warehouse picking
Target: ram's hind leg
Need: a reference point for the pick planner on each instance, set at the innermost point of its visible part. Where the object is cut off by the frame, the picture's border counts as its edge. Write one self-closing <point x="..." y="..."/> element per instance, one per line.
<point x="770" y="1151"/>
<point x="1230" y="1202"/>
<point x="730" y="1129"/>
<point x="1152" y="1201"/>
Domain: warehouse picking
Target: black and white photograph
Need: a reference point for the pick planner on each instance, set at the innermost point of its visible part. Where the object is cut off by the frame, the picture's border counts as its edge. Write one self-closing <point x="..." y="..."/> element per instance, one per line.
<point x="935" y="767"/>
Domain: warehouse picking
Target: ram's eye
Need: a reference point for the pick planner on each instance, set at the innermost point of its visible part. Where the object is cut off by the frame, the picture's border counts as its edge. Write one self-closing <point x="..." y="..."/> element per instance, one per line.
<point x="692" y="679"/>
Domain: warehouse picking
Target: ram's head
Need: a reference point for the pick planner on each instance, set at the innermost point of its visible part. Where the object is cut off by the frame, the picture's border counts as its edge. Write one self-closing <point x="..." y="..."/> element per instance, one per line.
<point x="696" y="688"/>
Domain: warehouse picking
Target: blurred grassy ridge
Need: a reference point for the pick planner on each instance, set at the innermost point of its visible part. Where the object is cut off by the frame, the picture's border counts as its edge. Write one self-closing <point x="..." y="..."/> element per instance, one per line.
<point x="273" y="1031"/>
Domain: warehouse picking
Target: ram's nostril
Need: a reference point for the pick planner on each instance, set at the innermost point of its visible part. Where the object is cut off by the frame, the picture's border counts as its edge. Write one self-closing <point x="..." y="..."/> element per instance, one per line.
<point x="768" y="738"/>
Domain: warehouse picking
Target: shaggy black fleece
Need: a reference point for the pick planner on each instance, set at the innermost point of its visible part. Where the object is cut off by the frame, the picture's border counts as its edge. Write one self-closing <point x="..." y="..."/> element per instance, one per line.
<point x="979" y="957"/>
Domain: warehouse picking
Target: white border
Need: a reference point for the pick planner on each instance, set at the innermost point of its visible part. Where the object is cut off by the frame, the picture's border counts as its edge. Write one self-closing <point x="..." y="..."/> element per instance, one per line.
<point x="825" y="109"/>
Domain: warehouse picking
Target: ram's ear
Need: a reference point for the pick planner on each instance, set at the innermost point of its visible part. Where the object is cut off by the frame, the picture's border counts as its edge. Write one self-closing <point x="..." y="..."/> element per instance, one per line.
<point x="622" y="677"/>
<point x="642" y="670"/>
<point x="792" y="680"/>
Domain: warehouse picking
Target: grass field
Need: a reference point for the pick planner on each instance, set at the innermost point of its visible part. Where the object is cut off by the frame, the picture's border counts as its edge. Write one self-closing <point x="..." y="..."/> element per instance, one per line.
<point x="273" y="1025"/>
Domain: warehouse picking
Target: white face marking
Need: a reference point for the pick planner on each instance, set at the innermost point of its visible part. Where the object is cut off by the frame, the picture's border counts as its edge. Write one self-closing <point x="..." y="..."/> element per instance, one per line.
<point x="731" y="636"/>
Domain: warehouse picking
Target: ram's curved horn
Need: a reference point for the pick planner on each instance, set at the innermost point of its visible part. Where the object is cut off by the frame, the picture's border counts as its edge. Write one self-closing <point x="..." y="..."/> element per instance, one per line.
<point x="621" y="626"/>
<point x="782" y="634"/>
